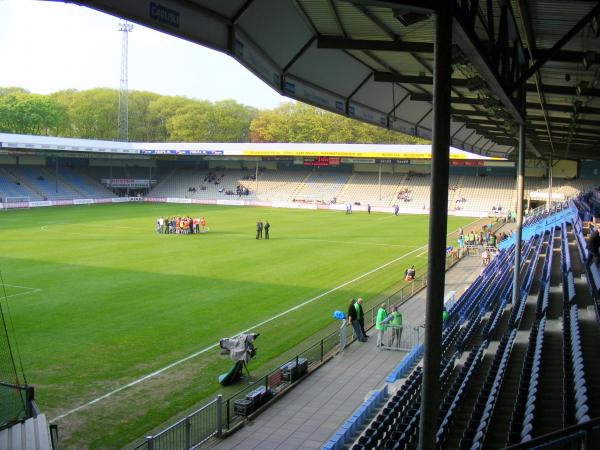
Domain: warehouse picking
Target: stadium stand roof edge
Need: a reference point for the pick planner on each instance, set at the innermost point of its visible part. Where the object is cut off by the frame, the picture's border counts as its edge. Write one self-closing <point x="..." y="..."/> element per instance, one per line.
<point x="30" y="142"/>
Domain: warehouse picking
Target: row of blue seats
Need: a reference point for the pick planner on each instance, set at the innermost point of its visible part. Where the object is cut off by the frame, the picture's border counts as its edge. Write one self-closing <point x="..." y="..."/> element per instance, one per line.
<point x="524" y="408"/>
<point x="492" y="323"/>
<point x="354" y="422"/>
<point x="397" y="424"/>
<point x="408" y="435"/>
<point x="592" y="272"/>
<point x="398" y="420"/>
<point x="463" y="306"/>
<point x="407" y="363"/>
<point x="455" y="396"/>
<point x="544" y="292"/>
<point x="474" y="435"/>
<point x="487" y="286"/>
<point x="390" y="417"/>
<point x="572" y="345"/>
<point x="567" y="270"/>
<point x="519" y="309"/>
<point x="532" y="391"/>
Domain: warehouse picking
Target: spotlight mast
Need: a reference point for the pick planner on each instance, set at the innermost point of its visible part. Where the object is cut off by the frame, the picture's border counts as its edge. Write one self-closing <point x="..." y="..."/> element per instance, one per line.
<point x="123" y="125"/>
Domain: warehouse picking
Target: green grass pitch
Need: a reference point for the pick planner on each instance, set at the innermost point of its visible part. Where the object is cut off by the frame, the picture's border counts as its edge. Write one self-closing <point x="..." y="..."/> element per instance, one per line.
<point x="98" y="299"/>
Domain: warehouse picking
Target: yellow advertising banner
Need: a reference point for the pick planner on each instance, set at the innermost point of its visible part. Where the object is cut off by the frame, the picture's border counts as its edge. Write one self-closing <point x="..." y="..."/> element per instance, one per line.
<point x="348" y="154"/>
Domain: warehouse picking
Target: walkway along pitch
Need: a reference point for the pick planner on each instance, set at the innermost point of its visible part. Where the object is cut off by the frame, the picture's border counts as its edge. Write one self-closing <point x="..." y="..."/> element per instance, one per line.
<point x="310" y="414"/>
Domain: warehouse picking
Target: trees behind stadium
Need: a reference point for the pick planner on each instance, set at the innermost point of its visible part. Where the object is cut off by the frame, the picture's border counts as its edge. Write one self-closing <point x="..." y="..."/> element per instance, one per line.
<point x="92" y="114"/>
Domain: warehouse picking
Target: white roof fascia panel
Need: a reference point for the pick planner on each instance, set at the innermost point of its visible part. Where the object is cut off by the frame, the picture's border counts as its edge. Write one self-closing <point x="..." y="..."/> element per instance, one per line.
<point x="255" y="59"/>
<point x="332" y="69"/>
<point x="379" y="96"/>
<point x="281" y="38"/>
<point x="308" y="93"/>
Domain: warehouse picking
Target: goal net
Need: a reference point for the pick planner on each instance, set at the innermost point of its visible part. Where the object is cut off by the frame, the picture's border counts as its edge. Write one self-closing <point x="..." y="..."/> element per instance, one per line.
<point x="15" y="202"/>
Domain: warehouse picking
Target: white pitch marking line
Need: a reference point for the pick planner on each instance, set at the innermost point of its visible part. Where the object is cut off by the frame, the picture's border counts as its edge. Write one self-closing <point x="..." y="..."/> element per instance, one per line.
<point x="23" y="293"/>
<point x="204" y="350"/>
<point x="21" y="287"/>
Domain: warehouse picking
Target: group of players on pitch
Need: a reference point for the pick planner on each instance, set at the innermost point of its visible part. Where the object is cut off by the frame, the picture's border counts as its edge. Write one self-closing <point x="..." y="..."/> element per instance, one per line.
<point x="181" y="225"/>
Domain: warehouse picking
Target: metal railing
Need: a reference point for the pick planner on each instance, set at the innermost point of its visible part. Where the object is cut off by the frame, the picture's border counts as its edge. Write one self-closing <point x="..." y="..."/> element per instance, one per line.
<point x="582" y="436"/>
<point x="402" y="338"/>
<point x="17" y="403"/>
<point x="190" y="432"/>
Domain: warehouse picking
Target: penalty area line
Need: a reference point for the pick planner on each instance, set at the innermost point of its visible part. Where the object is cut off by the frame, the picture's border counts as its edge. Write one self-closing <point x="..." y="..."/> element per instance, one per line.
<point x="204" y="350"/>
<point x="28" y="290"/>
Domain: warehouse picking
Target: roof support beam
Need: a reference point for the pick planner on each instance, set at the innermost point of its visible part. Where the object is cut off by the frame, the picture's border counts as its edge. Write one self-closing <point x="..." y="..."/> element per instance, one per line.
<point x="561" y="42"/>
<point x="569" y="91"/>
<point x="567" y="120"/>
<point x="531" y="46"/>
<point x="499" y="63"/>
<point x="338" y="20"/>
<point x="419" y="6"/>
<point x="387" y="77"/>
<point x="378" y="45"/>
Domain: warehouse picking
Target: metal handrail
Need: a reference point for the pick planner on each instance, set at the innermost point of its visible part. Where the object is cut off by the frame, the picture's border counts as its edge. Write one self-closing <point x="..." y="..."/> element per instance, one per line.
<point x="576" y="433"/>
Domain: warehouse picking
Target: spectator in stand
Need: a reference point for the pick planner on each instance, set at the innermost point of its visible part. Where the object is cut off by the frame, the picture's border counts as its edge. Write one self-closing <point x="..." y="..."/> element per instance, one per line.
<point x="485" y="258"/>
<point x="593" y="247"/>
<point x="395" y="322"/>
<point x="360" y="314"/>
<point x="353" y="320"/>
<point x="381" y="315"/>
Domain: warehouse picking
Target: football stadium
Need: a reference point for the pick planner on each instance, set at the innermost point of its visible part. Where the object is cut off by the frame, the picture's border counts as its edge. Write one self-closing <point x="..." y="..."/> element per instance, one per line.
<point x="267" y="295"/>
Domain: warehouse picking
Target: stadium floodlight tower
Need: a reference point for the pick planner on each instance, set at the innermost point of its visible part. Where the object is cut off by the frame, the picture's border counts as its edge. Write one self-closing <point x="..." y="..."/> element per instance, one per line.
<point x="125" y="28"/>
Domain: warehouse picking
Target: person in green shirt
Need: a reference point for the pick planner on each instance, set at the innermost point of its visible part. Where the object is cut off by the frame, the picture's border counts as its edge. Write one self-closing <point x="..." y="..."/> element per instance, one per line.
<point x="394" y="321"/>
<point x="361" y="316"/>
<point x="445" y="314"/>
<point x="381" y="315"/>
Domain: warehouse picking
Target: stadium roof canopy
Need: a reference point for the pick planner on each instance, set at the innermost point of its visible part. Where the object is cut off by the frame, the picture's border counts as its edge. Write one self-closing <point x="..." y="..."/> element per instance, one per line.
<point x="372" y="60"/>
<point x="22" y="142"/>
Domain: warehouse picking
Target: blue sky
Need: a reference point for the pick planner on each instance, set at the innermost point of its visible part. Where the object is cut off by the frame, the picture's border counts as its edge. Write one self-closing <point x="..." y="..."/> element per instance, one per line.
<point x="49" y="46"/>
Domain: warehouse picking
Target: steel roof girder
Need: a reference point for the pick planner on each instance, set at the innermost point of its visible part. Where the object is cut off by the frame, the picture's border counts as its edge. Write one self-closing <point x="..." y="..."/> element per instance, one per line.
<point x="488" y="62"/>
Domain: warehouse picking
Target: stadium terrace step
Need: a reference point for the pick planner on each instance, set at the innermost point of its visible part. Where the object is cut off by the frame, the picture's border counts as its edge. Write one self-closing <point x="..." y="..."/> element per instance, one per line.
<point x="33" y="434"/>
<point x="500" y="421"/>
<point x="591" y="359"/>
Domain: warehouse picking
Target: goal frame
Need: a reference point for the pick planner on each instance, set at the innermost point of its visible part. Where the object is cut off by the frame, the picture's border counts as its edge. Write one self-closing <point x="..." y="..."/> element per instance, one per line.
<point x="21" y="202"/>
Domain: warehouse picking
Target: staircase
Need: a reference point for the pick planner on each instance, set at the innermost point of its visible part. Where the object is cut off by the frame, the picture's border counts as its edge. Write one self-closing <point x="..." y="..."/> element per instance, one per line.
<point x="499" y="424"/>
<point x="342" y="191"/>
<point x="300" y="186"/>
<point x="33" y="434"/>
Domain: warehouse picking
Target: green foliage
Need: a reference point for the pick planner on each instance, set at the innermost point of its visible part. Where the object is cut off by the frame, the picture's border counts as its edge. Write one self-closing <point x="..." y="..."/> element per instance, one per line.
<point x="24" y="113"/>
<point x="93" y="114"/>
<point x="297" y="122"/>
